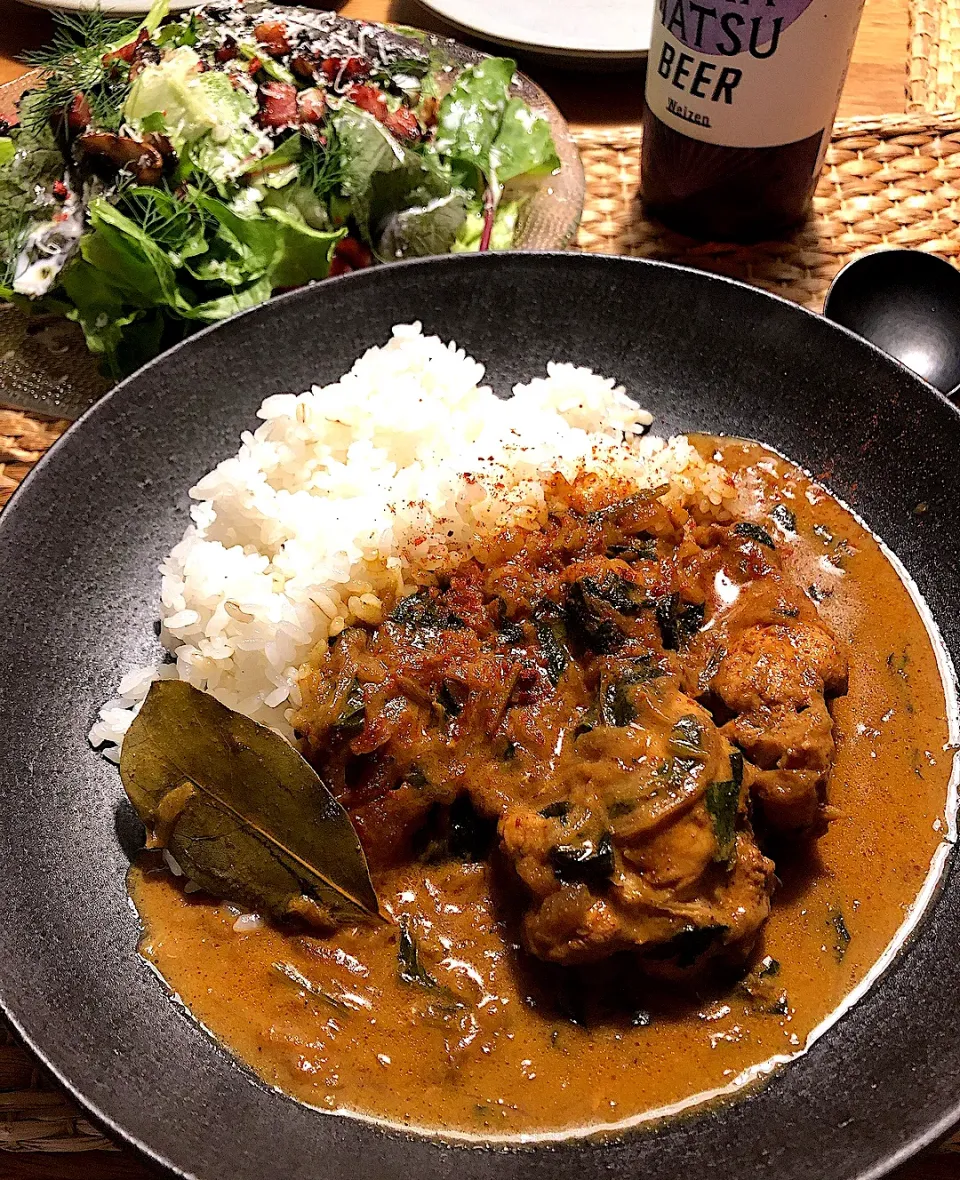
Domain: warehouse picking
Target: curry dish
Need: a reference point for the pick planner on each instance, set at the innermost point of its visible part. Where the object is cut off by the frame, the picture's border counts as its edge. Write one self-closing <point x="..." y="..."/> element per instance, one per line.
<point x="644" y="797"/>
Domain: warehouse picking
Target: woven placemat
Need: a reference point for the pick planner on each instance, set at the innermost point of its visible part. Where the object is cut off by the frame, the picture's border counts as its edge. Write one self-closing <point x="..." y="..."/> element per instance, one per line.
<point x="893" y="181"/>
<point x="933" y="64"/>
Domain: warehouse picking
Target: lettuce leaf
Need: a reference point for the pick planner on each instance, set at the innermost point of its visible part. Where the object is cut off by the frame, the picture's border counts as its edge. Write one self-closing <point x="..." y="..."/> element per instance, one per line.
<point x="229" y="304"/>
<point x="504" y="228"/>
<point x="472" y="111"/>
<point x="381" y="176"/>
<point x="29" y="164"/>
<point x="279" y="167"/>
<point x="130" y="259"/>
<point x="523" y="144"/>
<point x="367" y="148"/>
<point x="100" y="308"/>
<point x="208" y="120"/>
<point x="425" y="229"/>
<point x="303" y="253"/>
<point x="490" y="139"/>
<point x="183" y="261"/>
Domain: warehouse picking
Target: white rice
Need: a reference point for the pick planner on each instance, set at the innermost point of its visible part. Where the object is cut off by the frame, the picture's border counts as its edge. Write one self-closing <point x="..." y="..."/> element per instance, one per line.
<point x="343" y="491"/>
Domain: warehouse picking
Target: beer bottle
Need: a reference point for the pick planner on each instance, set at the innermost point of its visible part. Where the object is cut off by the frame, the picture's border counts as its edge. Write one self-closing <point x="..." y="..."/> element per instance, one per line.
<point x="740" y="101"/>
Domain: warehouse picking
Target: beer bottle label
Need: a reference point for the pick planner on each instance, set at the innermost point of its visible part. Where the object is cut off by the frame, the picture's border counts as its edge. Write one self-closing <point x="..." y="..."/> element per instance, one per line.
<point x="749" y="73"/>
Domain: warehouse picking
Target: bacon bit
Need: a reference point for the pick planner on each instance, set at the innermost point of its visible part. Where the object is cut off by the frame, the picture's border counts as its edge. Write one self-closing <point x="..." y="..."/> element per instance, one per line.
<point x="278" y="104"/>
<point x="339" y="267"/>
<point x="302" y="65"/>
<point x="255" y="65"/>
<point x="228" y="51"/>
<point x="430" y="111"/>
<point x="349" y="69"/>
<point x="125" y="52"/>
<point x="370" y="99"/>
<point x="78" y="113"/>
<point x="402" y="123"/>
<point x="272" y="35"/>
<point x="60" y="190"/>
<point x="355" y="254"/>
<point x="312" y="104"/>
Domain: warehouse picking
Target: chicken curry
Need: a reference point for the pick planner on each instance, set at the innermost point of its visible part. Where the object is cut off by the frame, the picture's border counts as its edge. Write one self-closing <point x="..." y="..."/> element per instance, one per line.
<point x="644" y="794"/>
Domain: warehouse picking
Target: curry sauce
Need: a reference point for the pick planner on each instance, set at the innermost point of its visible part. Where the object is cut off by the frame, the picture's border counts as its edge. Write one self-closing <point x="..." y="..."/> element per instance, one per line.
<point x="517" y="991"/>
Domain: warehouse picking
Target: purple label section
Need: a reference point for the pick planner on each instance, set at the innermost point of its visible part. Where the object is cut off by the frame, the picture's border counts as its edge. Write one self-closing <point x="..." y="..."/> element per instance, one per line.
<point x="727" y="28"/>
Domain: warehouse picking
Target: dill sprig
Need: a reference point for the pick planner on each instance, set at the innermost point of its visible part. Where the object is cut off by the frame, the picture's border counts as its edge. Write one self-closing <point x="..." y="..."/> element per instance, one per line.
<point x="73" y="63"/>
<point x="321" y="165"/>
<point x="170" y="219"/>
<point x="161" y="216"/>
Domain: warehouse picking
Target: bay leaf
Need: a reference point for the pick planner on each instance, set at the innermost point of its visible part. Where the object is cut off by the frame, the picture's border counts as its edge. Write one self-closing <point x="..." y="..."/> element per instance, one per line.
<point x="243" y="814"/>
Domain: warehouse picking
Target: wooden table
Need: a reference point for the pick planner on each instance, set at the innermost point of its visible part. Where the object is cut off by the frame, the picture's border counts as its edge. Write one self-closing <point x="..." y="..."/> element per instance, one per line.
<point x="875" y="85"/>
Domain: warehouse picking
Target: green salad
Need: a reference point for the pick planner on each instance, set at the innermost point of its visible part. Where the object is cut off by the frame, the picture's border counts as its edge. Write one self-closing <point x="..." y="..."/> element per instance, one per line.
<point x="167" y="174"/>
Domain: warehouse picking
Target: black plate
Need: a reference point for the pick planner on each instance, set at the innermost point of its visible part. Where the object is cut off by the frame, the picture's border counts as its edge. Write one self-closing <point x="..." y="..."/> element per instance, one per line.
<point x="79" y="547"/>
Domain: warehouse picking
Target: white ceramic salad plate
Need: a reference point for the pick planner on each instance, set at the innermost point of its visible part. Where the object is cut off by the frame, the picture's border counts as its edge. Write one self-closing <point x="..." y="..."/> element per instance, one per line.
<point x="588" y="31"/>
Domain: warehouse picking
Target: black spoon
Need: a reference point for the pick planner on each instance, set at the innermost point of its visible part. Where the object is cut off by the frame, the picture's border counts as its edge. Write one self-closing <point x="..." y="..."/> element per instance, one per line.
<point x="908" y="304"/>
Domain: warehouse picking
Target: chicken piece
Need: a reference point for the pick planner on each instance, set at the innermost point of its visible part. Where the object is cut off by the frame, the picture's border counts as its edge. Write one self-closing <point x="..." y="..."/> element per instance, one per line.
<point x="776" y="679"/>
<point x="780" y="663"/>
<point x="786" y="737"/>
<point x="651" y="850"/>
<point x="789" y="799"/>
<point x="676" y="919"/>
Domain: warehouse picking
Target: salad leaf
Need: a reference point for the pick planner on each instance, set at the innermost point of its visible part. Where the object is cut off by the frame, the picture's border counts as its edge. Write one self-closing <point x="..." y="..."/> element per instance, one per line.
<point x="130" y="267"/>
<point x="494" y="137"/>
<point x="367" y="148"/>
<point x="472" y="111"/>
<point x="524" y="144"/>
<point x="279" y="167"/>
<point x="302" y="253"/>
<point x="99" y="307"/>
<point x="29" y="165"/>
<point x="279" y="244"/>
<point x="381" y="176"/>
<point x="199" y="108"/>
<point x="504" y="228"/>
<point x="155" y="16"/>
<point x="130" y="258"/>
<point x="180" y="32"/>
<point x="425" y="229"/>
<point x="300" y="200"/>
<point x="223" y="160"/>
<point x="174" y="223"/>
<point x="77" y="61"/>
<point x="234" y="301"/>
<point x="250" y="243"/>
